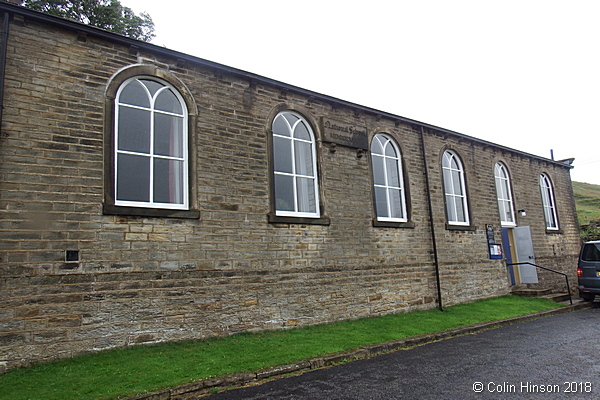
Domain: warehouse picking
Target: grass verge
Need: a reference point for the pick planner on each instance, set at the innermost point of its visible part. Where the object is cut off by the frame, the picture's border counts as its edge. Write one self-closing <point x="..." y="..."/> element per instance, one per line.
<point x="125" y="372"/>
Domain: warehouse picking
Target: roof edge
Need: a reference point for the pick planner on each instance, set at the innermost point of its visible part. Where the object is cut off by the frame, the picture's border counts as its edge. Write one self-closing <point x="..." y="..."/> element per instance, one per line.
<point x="10" y="8"/>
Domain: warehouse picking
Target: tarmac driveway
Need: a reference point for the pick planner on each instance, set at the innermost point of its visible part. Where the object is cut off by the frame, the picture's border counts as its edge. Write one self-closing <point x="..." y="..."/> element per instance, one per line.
<point x="555" y="357"/>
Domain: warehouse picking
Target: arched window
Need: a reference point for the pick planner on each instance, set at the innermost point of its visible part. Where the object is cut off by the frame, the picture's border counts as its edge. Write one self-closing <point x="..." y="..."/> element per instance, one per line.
<point x="295" y="167"/>
<point x="390" y="200"/>
<point x="548" y="202"/>
<point x="150" y="145"/>
<point x="454" y="188"/>
<point x="504" y="194"/>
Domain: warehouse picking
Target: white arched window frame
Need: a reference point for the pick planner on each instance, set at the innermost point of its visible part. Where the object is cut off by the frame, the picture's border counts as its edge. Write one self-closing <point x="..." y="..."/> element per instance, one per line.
<point x="296" y="186"/>
<point x="151" y="145"/>
<point x="504" y="195"/>
<point x="548" y="202"/>
<point x="457" y="210"/>
<point x="388" y="180"/>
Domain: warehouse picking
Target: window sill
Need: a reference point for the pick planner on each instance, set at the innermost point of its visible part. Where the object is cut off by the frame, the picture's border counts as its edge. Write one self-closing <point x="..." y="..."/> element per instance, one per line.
<point x="276" y="219"/>
<point x="391" y="224"/>
<point x="554" y="231"/>
<point x="467" y="228"/>
<point x="111" y="209"/>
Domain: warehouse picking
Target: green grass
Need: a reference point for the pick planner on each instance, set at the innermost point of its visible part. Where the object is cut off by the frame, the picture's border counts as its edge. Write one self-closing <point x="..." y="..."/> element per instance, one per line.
<point x="125" y="372"/>
<point x="587" y="202"/>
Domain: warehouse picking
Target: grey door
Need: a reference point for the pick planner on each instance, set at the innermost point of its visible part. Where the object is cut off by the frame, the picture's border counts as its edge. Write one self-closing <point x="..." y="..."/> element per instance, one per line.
<point x="525" y="254"/>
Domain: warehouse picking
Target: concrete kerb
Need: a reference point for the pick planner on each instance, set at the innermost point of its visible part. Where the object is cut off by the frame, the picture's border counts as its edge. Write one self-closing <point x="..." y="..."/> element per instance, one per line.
<point x="193" y="390"/>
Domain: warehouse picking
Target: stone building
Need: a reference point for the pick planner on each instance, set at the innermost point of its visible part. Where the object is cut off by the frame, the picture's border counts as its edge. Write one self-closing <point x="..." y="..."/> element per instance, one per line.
<point x="148" y="195"/>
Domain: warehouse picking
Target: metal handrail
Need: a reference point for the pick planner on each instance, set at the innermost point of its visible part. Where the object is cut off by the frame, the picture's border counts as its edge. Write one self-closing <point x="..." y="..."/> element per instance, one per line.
<point x="551" y="270"/>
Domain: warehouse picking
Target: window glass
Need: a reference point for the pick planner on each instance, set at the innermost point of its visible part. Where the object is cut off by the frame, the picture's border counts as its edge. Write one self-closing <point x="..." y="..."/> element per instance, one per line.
<point x="386" y="167"/>
<point x="135" y="93"/>
<point x="168" y="184"/>
<point x="381" y="202"/>
<point x="134" y="130"/>
<point x="504" y="195"/>
<point x="168" y="137"/>
<point x="396" y="208"/>
<point x="151" y="153"/>
<point x="134" y="178"/>
<point x="306" y="198"/>
<point x="291" y="118"/>
<point x="301" y="132"/>
<point x="281" y="127"/>
<point x="591" y="252"/>
<point x="393" y="172"/>
<point x="284" y="193"/>
<point x="152" y="86"/>
<point x="454" y="189"/>
<point x="377" y="163"/>
<point x="282" y="154"/>
<point x="548" y="203"/>
<point x="167" y="101"/>
<point x="303" y="156"/>
<point x="294" y="167"/>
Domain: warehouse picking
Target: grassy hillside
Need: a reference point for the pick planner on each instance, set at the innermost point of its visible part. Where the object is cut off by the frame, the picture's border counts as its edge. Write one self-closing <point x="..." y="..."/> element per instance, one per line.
<point x="587" y="202"/>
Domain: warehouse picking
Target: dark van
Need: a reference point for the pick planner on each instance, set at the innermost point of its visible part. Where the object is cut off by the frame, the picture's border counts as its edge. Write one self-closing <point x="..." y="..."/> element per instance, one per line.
<point x="588" y="270"/>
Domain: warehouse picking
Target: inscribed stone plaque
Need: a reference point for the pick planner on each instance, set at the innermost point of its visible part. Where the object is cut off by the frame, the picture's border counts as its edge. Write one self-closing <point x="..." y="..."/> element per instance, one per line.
<point x="345" y="134"/>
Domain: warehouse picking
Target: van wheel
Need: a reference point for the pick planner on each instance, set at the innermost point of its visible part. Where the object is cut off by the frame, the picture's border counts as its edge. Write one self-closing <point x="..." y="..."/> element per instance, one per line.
<point x="587" y="296"/>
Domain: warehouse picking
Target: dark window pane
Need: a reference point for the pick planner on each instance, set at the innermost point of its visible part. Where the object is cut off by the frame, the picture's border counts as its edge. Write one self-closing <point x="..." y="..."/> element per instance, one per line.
<point x="591" y="252"/>
<point x="396" y="203"/>
<point x="167" y="101"/>
<point x="460" y="210"/>
<point x="550" y="220"/>
<point x="280" y="127"/>
<point x="291" y="118"/>
<point x="168" y="181"/>
<point x="284" y="193"/>
<point x="134" y="94"/>
<point x="393" y="173"/>
<point x="301" y="132"/>
<point x="450" y="208"/>
<point x="303" y="153"/>
<point x="133" y="178"/>
<point x="378" y="170"/>
<point x="282" y="154"/>
<point x="376" y="146"/>
<point x="456" y="181"/>
<point x="390" y="151"/>
<point x="448" y="186"/>
<point x="168" y="135"/>
<point x="381" y="202"/>
<point x="152" y="86"/>
<point x="306" y="195"/>
<point x="134" y="130"/>
<point x="454" y="163"/>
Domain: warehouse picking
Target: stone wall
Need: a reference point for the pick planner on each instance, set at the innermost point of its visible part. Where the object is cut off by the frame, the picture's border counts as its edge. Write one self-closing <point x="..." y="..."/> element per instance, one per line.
<point x="142" y="279"/>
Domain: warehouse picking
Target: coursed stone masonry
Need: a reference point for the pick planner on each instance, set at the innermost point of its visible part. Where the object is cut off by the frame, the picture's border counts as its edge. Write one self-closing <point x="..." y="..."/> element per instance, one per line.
<point x="75" y="279"/>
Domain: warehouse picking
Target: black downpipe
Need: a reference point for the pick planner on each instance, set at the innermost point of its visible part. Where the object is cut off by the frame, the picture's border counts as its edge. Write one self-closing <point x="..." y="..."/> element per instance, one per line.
<point x="3" y="47"/>
<point x="431" y="223"/>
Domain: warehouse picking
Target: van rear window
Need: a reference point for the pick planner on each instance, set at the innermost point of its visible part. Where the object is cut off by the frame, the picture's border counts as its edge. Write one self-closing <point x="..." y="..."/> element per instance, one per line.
<point x="591" y="252"/>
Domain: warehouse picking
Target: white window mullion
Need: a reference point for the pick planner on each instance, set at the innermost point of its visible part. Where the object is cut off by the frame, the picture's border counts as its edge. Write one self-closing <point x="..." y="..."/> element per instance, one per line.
<point x="385" y="207"/>
<point x="130" y="95"/>
<point x="451" y="189"/>
<point x="152" y="153"/>
<point x="386" y="181"/>
<point x="304" y="185"/>
<point x="548" y="203"/>
<point x="294" y="174"/>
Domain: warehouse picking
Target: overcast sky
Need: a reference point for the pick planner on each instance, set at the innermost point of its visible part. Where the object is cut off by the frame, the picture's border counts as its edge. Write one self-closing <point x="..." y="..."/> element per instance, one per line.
<point x="520" y="73"/>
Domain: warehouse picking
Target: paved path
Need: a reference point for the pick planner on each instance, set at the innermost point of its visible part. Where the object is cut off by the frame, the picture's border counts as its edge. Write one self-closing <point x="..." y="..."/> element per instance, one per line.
<point x="555" y="357"/>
